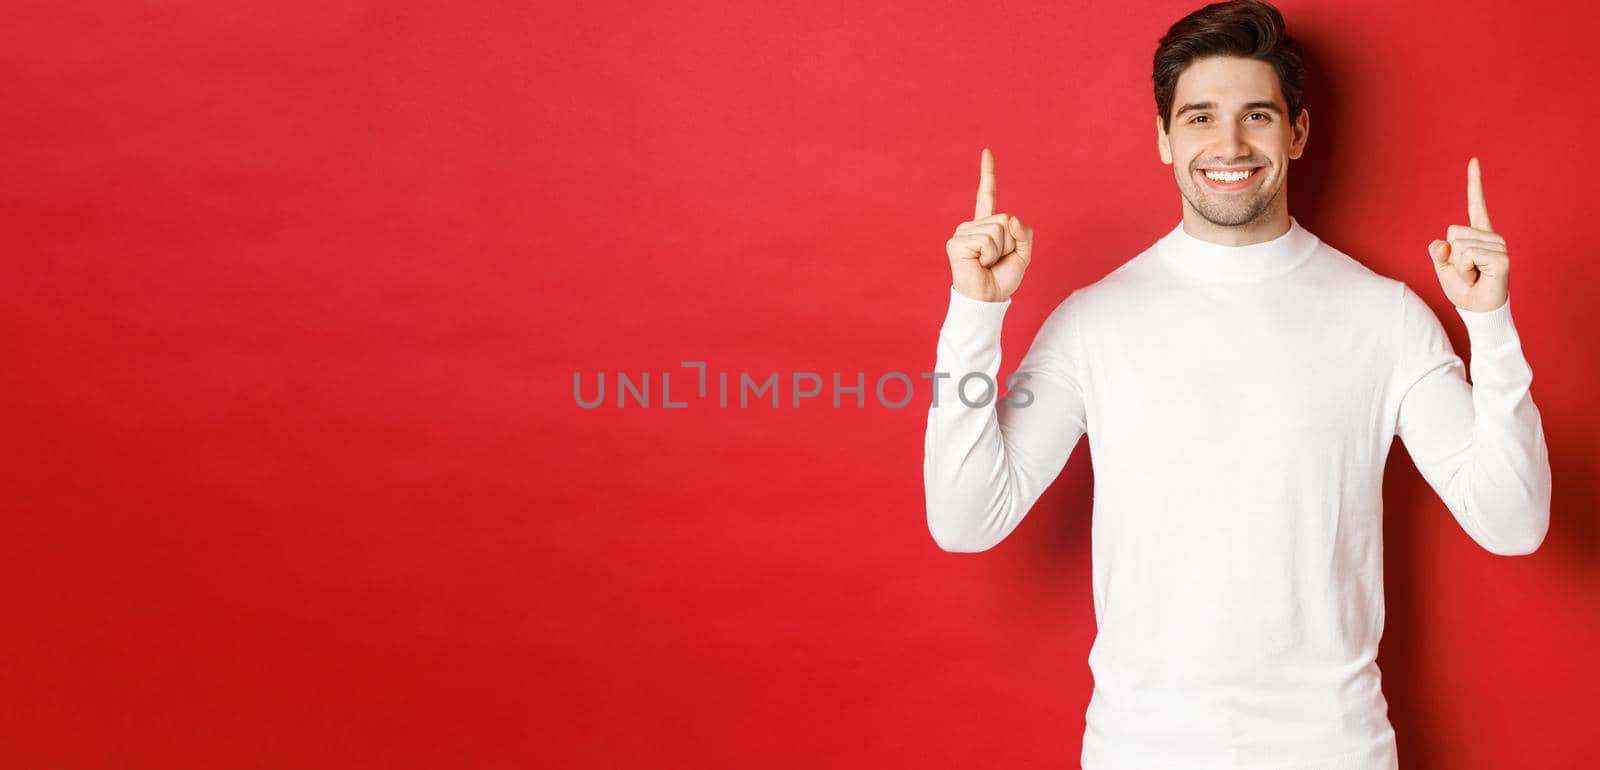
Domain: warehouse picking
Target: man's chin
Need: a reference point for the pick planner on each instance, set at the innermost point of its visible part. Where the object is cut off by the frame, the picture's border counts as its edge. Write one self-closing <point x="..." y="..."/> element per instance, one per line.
<point x="1231" y="219"/>
<point x="1225" y="218"/>
<point x="1231" y="216"/>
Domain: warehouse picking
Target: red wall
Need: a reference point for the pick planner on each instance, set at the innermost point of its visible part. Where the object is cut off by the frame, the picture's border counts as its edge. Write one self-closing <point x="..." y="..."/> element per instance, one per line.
<point x="293" y="294"/>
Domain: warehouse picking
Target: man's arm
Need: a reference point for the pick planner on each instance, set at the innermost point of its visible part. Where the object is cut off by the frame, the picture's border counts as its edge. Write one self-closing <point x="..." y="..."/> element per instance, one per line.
<point x="985" y="466"/>
<point x="1480" y="446"/>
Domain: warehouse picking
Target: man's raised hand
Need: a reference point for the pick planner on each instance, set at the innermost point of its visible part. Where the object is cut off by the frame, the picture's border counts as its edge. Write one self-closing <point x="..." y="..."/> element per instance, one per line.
<point x="989" y="253"/>
<point x="1472" y="263"/>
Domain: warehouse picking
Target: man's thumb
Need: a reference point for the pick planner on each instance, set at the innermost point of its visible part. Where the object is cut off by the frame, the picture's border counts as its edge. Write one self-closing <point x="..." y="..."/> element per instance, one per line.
<point x="1024" y="237"/>
<point x="1440" y="251"/>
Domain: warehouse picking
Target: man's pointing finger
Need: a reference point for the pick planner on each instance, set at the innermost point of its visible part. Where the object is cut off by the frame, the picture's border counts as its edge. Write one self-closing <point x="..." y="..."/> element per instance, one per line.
<point x="985" y="205"/>
<point x="1477" y="211"/>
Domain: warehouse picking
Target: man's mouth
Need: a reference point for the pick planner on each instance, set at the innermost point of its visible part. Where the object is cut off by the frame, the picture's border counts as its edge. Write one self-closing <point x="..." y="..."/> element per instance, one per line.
<point x="1226" y="178"/>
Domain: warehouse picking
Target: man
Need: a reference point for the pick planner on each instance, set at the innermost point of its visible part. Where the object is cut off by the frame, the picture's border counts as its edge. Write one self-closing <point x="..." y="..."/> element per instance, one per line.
<point x="1240" y="382"/>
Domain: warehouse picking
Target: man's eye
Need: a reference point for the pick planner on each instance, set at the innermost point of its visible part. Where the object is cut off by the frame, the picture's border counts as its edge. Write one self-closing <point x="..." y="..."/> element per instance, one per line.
<point x="1197" y="118"/>
<point x="1261" y="115"/>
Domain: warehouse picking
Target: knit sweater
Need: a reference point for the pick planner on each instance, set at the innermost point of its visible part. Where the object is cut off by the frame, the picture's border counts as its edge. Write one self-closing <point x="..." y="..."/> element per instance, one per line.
<point x="1239" y="403"/>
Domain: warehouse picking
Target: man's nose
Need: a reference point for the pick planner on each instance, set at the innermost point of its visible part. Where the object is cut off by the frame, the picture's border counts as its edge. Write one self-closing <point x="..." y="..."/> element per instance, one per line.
<point x="1230" y="144"/>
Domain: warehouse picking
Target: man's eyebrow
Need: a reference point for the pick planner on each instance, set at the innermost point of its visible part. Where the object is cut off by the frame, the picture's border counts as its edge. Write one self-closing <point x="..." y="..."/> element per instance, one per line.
<point x="1263" y="106"/>
<point x="1256" y="105"/>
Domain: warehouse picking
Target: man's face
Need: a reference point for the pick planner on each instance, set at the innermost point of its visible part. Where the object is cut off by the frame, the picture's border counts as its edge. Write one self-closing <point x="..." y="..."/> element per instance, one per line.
<point x="1229" y="119"/>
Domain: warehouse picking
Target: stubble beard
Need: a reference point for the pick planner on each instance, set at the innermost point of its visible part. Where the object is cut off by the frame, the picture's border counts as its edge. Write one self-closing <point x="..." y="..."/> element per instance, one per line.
<point x="1233" y="213"/>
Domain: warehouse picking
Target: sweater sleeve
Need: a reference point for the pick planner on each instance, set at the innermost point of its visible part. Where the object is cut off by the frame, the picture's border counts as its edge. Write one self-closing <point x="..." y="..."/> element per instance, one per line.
<point x="1480" y="446"/>
<point x="987" y="461"/>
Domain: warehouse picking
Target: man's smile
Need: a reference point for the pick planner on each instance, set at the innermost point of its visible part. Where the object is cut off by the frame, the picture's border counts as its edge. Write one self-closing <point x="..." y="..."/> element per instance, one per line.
<point x="1229" y="178"/>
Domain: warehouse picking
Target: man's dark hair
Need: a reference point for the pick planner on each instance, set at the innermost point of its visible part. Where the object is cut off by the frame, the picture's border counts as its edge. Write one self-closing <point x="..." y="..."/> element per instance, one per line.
<point x="1249" y="29"/>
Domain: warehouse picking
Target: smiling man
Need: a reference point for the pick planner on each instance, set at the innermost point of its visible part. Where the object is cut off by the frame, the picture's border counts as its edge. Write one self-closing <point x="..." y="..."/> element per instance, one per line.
<point x="1241" y="383"/>
<point x="1231" y="159"/>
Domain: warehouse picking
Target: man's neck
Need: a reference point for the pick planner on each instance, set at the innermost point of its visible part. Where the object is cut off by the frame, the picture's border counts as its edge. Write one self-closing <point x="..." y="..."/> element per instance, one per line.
<point x="1259" y="230"/>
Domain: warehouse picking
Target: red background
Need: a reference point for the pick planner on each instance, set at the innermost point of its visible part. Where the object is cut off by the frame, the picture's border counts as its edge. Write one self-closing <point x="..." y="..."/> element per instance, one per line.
<point x="293" y="295"/>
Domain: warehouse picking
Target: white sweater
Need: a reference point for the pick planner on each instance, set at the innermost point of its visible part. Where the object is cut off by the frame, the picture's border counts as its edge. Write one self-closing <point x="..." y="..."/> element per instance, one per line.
<point x="1240" y="403"/>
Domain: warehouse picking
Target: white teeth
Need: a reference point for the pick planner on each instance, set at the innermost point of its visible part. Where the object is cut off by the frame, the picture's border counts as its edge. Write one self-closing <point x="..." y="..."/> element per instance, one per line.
<point x="1227" y="176"/>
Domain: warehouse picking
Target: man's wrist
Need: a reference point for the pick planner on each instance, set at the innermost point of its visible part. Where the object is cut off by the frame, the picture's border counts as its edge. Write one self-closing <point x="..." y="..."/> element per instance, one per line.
<point x="1489" y="328"/>
<point x="979" y="296"/>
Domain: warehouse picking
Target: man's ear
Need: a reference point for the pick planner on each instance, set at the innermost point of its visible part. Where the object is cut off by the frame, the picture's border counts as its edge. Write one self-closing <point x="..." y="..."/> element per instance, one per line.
<point x="1302" y="129"/>
<point x="1161" y="143"/>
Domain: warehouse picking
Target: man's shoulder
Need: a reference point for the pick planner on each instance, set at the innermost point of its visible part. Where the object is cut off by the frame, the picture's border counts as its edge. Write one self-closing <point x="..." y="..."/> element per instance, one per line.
<point x="1129" y="280"/>
<point x="1124" y="286"/>
<point x="1341" y="273"/>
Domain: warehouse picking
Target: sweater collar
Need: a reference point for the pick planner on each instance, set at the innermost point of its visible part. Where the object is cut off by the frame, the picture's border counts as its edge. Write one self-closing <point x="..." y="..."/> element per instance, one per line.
<point x="1207" y="261"/>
